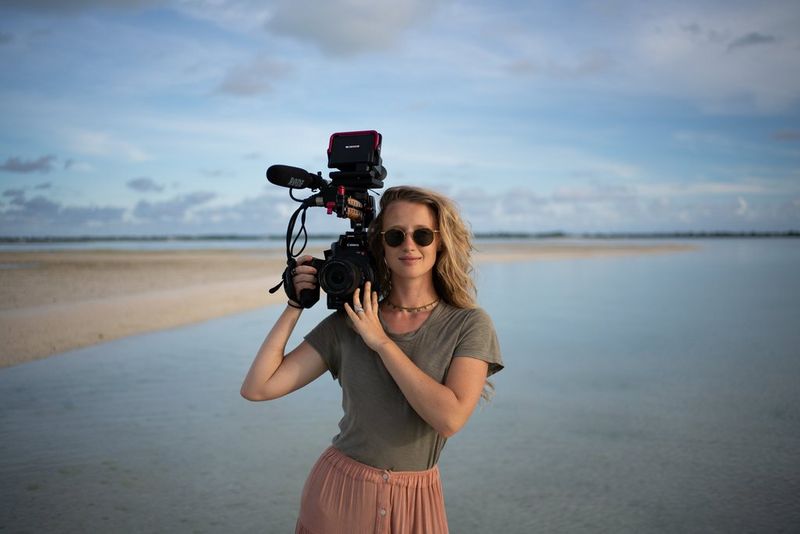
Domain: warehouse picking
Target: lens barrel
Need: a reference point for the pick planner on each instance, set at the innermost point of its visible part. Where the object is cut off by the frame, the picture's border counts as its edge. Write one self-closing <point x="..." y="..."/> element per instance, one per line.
<point x="340" y="277"/>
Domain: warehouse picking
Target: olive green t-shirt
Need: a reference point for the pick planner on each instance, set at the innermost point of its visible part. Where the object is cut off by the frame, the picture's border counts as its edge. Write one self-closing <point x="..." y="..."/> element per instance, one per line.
<point x="379" y="427"/>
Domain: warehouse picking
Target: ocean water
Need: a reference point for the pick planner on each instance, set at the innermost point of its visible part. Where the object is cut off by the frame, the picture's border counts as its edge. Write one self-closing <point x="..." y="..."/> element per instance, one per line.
<point x="653" y="393"/>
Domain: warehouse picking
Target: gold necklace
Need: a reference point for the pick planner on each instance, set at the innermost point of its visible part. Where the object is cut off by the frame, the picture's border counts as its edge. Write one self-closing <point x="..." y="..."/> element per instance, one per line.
<point x="412" y="309"/>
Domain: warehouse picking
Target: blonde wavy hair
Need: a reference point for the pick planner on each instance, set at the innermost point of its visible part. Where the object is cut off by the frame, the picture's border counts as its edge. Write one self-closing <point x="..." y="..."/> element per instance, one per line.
<point x="452" y="273"/>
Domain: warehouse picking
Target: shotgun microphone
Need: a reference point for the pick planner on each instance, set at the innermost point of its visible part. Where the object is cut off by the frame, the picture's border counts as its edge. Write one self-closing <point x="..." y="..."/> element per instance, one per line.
<point x="294" y="177"/>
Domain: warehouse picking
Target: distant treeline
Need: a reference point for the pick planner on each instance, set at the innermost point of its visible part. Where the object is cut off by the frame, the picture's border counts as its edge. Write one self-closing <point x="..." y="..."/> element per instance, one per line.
<point x="138" y="238"/>
<point x="480" y="235"/>
<point x="633" y="235"/>
<point x="689" y="235"/>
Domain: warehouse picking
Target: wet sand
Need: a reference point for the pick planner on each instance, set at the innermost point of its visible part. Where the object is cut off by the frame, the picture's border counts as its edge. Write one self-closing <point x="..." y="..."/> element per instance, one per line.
<point x="52" y="302"/>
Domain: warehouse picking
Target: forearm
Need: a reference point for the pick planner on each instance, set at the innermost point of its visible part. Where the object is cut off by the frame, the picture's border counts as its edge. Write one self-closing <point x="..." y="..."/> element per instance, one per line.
<point x="271" y="353"/>
<point x="446" y="407"/>
<point x="435" y="403"/>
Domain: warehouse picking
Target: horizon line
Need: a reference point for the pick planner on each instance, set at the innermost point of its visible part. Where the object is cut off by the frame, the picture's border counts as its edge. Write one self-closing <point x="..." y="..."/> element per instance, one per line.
<point x="689" y="234"/>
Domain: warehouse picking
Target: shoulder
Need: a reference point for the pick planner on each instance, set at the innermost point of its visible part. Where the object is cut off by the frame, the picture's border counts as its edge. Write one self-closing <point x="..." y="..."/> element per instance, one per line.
<point x="464" y="322"/>
<point x="469" y="317"/>
<point x="334" y="318"/>
<point x="477" y="337"/>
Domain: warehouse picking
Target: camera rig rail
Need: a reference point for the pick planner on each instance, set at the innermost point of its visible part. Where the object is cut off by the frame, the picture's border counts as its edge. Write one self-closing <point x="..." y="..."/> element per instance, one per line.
<point x="348" y="264"/>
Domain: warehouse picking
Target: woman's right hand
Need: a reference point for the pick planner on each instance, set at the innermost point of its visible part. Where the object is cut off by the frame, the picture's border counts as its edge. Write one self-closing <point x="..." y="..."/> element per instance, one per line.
<point x="304" y="275"/>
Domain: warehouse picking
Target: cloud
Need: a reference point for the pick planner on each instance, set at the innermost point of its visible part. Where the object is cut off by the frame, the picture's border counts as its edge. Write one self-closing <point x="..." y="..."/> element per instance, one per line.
<point x="592" y="64"/>
<point x="91" y="216"/>
<point x="687" y="53"/>
<point x="173" y="210"/>
<point x="16" y="195"/>
<point x="26" y="214"/>
<point x="703" y="188"/>
<point x="240" y="16"/>
<point x="43" y="164"/>
<point x="348" y="27"/>
<point x="578" y="208"/>
<point x="743" y="208"/>
<point x="787" y="135"/>
<point x="76" y="6"/>
<point x="254" y="78"/>
<point x="38" y="207"/>
<point x="628" y="208"/>
<point x="105" y="144"/>
<point x="144" y="185"/>
<point x="735" y="58"/>
<point x="72" y="165"/>
<point x="265" y="212"/>
<point x="752" y="38"/>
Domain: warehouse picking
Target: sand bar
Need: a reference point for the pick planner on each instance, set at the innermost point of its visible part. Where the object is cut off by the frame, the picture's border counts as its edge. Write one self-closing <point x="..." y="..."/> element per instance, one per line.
<point x="52" y="302"/>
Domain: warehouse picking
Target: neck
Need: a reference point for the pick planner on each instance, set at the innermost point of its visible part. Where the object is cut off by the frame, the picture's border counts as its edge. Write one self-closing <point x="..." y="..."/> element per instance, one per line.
<point x="412" y="293"/>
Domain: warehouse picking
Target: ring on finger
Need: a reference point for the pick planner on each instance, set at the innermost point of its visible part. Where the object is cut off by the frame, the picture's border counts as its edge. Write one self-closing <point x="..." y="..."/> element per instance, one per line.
<point x="358" y="309"/>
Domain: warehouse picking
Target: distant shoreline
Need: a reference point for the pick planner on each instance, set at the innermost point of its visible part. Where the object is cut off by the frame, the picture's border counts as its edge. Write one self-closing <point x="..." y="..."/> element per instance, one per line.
<point x="52" y="301"/>
<point x="478" y="235"/>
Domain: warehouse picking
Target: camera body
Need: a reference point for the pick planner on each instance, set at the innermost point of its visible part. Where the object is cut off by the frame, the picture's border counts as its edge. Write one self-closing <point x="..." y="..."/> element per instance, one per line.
<point x="347" y="265"/>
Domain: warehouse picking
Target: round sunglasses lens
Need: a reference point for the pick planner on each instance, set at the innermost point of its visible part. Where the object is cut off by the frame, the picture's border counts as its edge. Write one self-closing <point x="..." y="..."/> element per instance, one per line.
<point x="423" y="237"/>
<point x="393" y="237"/>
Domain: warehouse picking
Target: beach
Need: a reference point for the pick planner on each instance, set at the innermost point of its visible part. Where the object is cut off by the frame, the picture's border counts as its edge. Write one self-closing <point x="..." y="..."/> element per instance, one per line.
<point x="59" y="300"/>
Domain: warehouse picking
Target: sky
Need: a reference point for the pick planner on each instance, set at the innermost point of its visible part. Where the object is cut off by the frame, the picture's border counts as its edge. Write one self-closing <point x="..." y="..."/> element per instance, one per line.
<point x="136" y="117"/>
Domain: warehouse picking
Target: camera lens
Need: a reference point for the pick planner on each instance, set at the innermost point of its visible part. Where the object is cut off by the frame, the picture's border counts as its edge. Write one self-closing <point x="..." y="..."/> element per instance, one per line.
<point x="339" y="277"/>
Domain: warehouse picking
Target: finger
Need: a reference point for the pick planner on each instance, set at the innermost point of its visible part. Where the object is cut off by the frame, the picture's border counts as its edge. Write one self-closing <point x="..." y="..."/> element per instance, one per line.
<point x="367" y="298"/>
<point x="357" y="297"/>
<point x="306" y="269"/>
<point x="304" y="265"/>
<point x="349" y="311"/>
<point x="375" y="300"/>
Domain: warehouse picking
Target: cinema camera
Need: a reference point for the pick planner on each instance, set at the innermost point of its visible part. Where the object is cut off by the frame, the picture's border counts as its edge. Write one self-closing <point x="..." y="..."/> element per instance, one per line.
<point x="348" y="264"/>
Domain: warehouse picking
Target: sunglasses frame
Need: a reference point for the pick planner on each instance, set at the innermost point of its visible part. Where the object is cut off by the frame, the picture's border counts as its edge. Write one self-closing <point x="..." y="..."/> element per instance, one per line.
<point x="413" y="236"/>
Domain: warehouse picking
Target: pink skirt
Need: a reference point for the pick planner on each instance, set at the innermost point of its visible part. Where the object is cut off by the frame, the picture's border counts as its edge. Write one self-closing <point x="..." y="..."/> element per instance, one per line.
<point x="344" y="496"/>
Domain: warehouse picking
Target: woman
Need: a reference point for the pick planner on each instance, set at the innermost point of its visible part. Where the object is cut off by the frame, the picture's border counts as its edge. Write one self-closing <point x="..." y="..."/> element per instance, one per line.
<point x="412" y="363"/>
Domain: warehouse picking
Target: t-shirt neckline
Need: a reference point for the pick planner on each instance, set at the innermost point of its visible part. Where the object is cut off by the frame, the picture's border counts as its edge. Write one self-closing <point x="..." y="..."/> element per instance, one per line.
<point x="410" y="335"/>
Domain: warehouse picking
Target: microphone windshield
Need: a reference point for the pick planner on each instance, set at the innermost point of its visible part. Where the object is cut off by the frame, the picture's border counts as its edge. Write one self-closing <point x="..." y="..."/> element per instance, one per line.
<point x="295" y="177"/>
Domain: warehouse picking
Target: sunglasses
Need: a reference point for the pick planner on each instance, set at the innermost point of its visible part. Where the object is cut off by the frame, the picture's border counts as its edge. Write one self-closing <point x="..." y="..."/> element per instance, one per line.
<point x="421" y="236"/>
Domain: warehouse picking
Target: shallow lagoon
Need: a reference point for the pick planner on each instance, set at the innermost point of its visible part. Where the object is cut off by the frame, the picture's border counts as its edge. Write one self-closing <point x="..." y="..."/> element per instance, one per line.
<point x="653" y="393"/>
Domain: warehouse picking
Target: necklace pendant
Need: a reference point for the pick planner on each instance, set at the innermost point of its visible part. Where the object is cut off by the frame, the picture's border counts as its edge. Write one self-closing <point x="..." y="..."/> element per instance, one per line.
<point x="412" y="309"/>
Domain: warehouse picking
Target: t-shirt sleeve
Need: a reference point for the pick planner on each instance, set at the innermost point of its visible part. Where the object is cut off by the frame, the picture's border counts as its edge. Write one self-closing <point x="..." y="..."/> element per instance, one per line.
<point x="478" y="339"/>
<point x="325" y="339"/>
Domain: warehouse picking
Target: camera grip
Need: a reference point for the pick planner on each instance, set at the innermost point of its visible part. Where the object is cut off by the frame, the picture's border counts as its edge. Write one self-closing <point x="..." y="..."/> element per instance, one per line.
<point x="307" y="297"/>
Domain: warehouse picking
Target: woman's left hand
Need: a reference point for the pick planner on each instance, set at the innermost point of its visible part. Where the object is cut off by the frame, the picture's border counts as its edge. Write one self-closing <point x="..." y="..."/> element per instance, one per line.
<point x="364" y="315"/>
